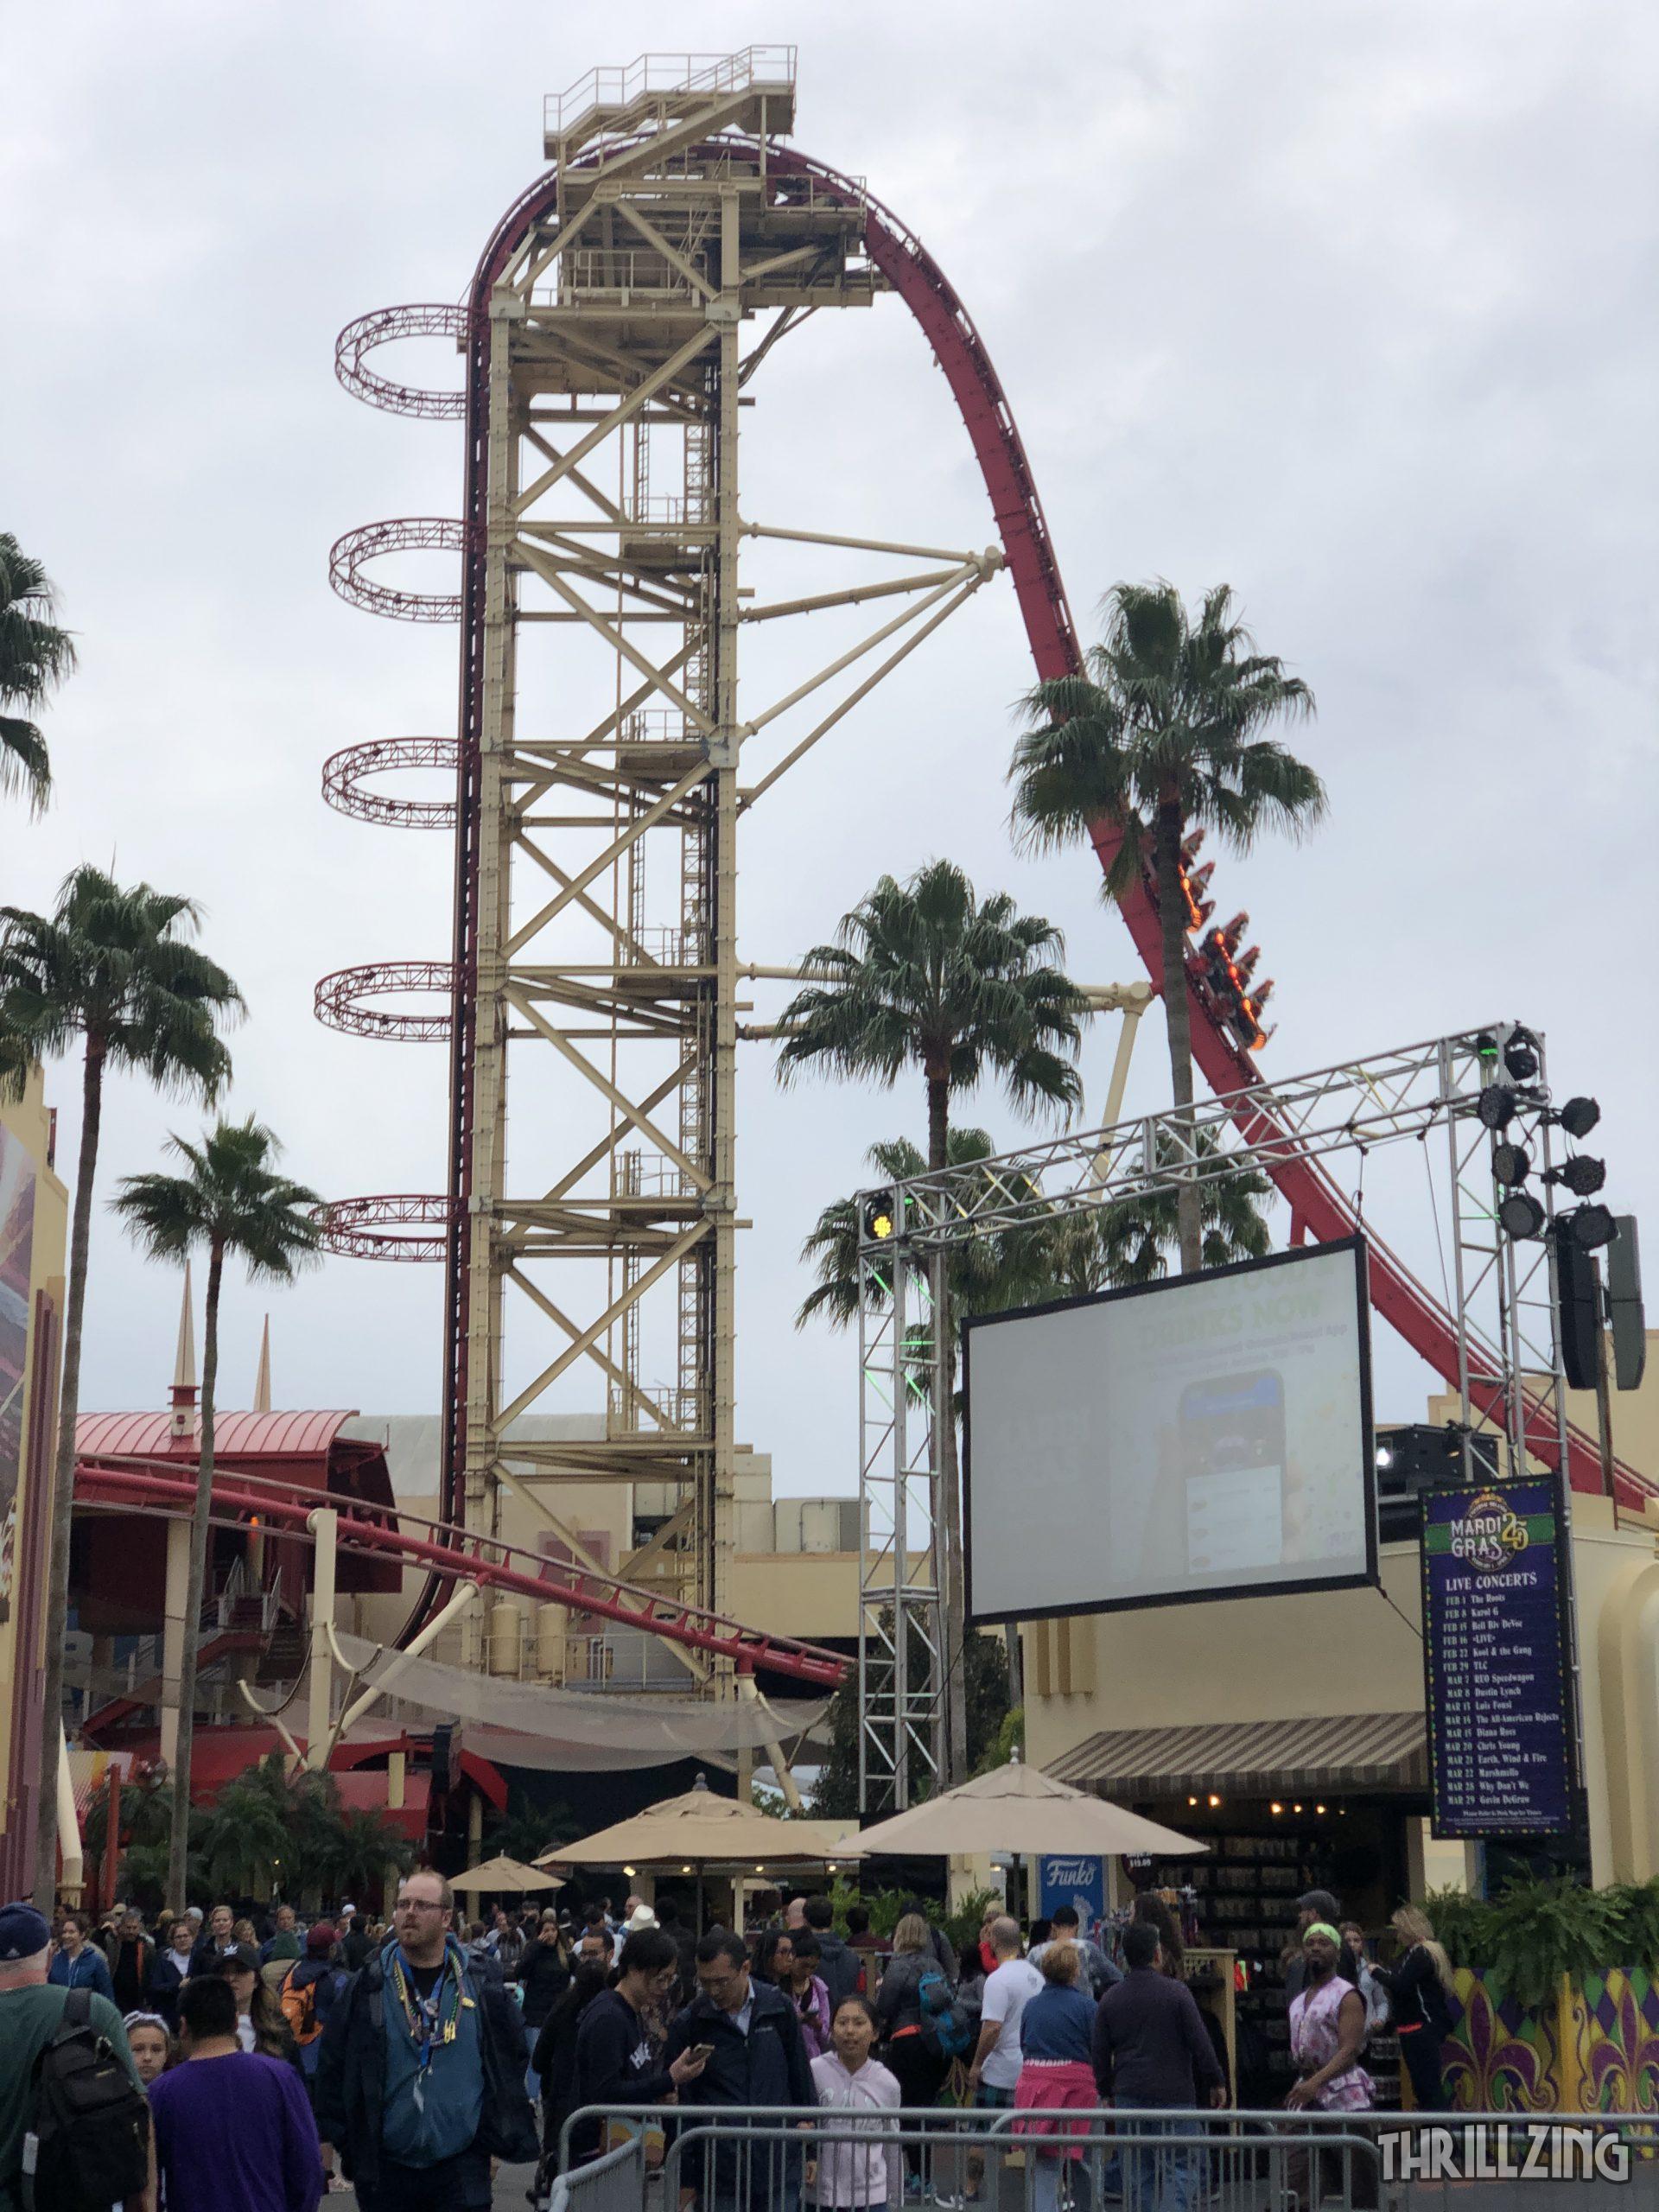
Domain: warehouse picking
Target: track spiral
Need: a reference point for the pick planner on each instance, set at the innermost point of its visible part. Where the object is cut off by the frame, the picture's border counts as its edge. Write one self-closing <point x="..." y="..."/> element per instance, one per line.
<point x="349" y="555"/>
<point x="384" y="326"/>
<point x="341" y="1001"/>
<point x="346" y="774"/>
<point x="396" y="1226"/>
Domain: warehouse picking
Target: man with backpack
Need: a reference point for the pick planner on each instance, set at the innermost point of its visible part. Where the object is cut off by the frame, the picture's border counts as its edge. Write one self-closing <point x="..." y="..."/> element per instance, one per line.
<point x="421" y="2078"/>
<point x="64" y="2051"/>
<point x="994" y="2074"/>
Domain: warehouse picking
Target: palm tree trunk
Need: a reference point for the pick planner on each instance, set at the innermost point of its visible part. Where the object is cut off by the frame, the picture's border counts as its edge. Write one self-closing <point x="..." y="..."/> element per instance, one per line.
<point x="178" y="1857"/>
<point x="63" y="1482"/>
<point x="1178" y="1022"/>
<point x="953" y="1592"/>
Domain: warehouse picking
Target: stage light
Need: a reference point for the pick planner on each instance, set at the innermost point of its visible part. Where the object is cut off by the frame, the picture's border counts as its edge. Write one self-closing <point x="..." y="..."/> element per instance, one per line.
<point x="1584" y="1177"/>
<point x="1511" y="1163"/>
<point x="1275" y="1806"/>
<point x="879" y="1218"/>
<point x="1590" y="1227"/>
<point x="1215" y="1803"/>
<point x="1496" y="1107"/>
<point x="1579" y="1116"/>
<point x="1521" y="1215"/>
<point x="1521" y="1055"/>
<point x="1384" y="1456"/>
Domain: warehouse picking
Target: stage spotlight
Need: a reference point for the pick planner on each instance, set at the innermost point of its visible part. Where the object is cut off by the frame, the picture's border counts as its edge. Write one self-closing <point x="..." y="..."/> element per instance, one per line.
<point x="1579" y="1116"/>
<point x="1521" y="1215"/>
<point x="1582" y="1176"/>
<point x="1521" y="1055"/>
<point x="1590" y="1227"/>
<point x="879" y="1219"/>
<point x="1511" y="1163"/>
<point x="1496" y="1106"/>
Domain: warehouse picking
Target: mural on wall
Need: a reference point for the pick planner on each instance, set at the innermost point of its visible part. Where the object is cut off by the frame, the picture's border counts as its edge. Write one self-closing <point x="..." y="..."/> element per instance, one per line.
<point x="17" y="1241"/>
<point x="1593" y="2049"/>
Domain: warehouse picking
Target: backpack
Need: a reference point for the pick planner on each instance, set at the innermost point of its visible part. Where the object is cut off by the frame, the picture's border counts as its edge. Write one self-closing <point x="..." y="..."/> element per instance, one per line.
<point x="88" y="2145"/>
<point x="305" y="2008"/>
<point x="947" y="2029"/>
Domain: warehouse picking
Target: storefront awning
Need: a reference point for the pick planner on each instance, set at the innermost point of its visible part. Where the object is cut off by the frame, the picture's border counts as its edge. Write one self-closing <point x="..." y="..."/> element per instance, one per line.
<point x="1254" y="1759"/>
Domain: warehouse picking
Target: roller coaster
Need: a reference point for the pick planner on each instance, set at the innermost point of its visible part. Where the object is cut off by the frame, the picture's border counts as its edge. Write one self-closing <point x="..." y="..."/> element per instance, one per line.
<point x="603" y="319"/>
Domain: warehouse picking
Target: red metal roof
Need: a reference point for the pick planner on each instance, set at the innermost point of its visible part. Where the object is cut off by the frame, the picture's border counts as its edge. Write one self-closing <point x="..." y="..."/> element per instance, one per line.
<point x="241" y="1436"/>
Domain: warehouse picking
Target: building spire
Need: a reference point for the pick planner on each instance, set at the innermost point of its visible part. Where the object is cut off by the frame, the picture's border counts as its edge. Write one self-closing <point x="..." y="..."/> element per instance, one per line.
<point x="183" y="1423"/>
<point x="262" y="1380"/>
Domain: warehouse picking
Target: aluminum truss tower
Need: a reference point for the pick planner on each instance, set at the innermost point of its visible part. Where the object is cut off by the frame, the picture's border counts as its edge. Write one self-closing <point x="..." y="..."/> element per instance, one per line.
<point x="605" y="763"/>
<point x="1508" y="1365"/>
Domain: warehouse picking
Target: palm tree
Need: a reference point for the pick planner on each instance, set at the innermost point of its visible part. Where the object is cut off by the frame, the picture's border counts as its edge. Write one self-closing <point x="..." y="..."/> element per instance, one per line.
<point x="234" y="1202"/>
<point x="1129" y="1240"/>
<point x="35" y="656"/>
<point x="927" y="975"/>
<point x="1159" y="737"/>
<point x="1124" y="1242"/>
<point x="110" y="967"/>
<point x="987" y="1275"/>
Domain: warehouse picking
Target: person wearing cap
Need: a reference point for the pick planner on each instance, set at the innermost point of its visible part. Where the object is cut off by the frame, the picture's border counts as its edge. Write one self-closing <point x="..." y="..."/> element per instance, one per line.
<point x="420" y="2082"/>
<point x="260" y="2024"/>
<point x="355" y="1945"/>
<point x="31" y="2011"/>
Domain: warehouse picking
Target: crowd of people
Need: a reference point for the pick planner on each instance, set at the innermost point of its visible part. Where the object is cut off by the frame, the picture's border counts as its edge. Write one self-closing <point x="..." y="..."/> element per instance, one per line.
<point x="277" y="2062"/>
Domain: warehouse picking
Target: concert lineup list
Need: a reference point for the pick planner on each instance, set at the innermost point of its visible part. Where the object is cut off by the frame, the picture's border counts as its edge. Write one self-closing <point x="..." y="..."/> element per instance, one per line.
<point x="1499" y="1723"/>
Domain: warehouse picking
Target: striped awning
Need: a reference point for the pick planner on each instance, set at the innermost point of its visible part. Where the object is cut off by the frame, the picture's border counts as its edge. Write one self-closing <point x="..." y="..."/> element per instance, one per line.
<point x="1254" y="1759"/>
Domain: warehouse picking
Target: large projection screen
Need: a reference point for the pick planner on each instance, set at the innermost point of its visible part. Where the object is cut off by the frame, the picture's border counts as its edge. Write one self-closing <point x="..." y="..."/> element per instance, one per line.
<point x="1209" y="1437"/>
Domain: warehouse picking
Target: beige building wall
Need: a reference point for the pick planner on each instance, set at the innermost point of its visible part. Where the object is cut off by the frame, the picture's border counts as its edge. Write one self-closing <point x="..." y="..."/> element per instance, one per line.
<point x="796" y="1572"/>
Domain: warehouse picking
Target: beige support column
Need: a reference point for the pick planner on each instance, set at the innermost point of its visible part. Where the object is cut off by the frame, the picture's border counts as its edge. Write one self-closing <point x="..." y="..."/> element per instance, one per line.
<point x="174" y="1608"/>
<point x="72" y="1863"/>
<point x="324" y="1525"/>
<point x="396" y="1784"/>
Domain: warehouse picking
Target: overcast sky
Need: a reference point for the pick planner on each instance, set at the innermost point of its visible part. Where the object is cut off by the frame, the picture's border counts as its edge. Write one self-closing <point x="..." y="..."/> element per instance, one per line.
<point x="1349" y="306"/>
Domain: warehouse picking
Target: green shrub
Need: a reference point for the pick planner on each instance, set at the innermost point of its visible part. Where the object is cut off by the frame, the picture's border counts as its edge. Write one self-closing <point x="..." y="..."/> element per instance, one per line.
<point x="1537" y="1932"/>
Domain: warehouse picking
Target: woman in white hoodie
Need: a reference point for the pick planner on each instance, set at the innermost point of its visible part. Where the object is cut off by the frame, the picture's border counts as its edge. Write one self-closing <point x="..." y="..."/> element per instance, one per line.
<point x="854" y="2175"/>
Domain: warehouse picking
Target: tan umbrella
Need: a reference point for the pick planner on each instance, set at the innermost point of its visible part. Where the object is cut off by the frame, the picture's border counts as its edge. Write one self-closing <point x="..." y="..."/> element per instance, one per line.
<point x="703" y="1830"/>
<point x="505" y="1874"/>
<point x="1020" y="1809"/>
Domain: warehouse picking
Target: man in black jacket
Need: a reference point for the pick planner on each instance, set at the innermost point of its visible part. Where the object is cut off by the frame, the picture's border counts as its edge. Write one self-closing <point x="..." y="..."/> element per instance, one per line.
<point x="755" y="2058"/>
<point x="1152" y="2051"/>
<point x="421" y="2079"/>
<point x="615" y="2064"/>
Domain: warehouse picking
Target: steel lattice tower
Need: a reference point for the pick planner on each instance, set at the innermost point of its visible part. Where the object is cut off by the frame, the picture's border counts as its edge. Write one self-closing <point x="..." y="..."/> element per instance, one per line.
<point x="605" y="762"/>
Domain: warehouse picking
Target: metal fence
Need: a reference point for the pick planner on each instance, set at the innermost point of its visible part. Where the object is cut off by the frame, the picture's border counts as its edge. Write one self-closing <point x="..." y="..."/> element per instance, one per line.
<point x="727" y="2160"/>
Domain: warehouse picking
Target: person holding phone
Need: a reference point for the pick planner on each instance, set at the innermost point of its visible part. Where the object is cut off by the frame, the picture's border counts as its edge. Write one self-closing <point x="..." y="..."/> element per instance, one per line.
<point x="616" y="2062"/>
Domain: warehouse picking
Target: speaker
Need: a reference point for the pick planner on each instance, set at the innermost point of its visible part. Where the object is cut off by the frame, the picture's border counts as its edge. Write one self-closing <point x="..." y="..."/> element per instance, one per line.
<point x="1624" y="1301"/>
<point x="1577" y="1312"/>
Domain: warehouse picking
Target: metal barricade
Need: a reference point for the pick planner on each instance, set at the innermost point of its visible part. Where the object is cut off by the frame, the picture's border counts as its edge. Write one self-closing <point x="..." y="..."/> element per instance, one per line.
<point x="615" y="2183"/>
<point x="726" y="2160"/>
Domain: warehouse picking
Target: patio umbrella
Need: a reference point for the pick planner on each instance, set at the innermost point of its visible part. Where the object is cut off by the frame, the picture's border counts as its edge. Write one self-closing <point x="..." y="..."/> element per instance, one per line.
<point x="505" y="1874"/>
<point x="1020" y="1809"/>
<point x="703" y="1830"/>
